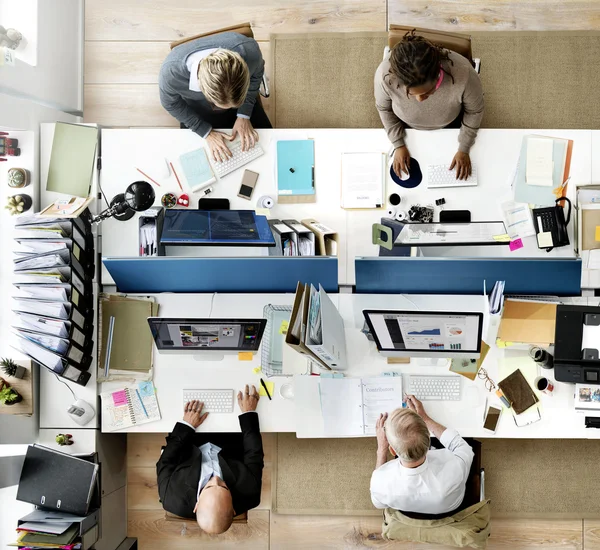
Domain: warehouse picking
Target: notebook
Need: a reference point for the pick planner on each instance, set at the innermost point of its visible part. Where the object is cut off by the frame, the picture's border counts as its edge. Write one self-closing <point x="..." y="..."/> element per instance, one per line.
<point x="518" y="392"/>
<point x="196" y="169"/>
<point x="351" y="406"/>
<point x="296" y="171"/>
<point x="363" y="180"/>
<point x="131" y="406"/>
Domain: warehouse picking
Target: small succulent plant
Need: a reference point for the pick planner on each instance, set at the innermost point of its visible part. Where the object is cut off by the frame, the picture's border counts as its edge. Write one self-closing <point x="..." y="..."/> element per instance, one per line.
<point x="15" y="205"/>
<point x="10" y="368"/>
<point x="64" y="439"/>
<point x="9" y="396"/>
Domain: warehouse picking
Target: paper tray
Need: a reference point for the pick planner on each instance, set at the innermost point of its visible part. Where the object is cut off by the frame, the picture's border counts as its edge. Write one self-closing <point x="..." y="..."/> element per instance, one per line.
<point x="271" y="355"/>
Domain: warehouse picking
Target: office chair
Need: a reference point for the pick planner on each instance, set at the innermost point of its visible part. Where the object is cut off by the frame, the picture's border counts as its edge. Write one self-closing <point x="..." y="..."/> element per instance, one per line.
<point x="459" y="43"/>
<point x="241" y="28"/>
<point x="242" y="518"/>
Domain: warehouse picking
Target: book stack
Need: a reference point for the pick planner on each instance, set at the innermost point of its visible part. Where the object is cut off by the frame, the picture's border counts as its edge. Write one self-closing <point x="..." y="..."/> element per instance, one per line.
<point x="53" y="299"/>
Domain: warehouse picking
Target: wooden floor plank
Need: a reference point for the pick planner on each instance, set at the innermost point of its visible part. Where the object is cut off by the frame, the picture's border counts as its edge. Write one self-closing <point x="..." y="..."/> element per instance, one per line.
<point x="591" y="534"/>
<point x="155" y="533"/>
<point x="142" y="489"/>
<point x="143" y="449"/>
<point x="124" y="105"/>
<point x="525" y="534"/>
<point x="168" y="20"/>
<point x="499" y="15"/>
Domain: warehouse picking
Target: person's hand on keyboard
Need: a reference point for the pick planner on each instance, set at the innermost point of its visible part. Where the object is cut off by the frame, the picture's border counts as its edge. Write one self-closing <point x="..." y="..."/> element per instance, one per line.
<point x="462" y="162"/>
<point x="248" y="135"/>
<point x="218" y="146"/>
<point x="248" y="399"/>
<point x="401" y="160"/>
<point x="192" y="413"/>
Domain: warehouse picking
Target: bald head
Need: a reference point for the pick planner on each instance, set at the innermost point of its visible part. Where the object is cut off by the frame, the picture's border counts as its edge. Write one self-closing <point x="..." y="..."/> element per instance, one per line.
<point x="214" y="510"/>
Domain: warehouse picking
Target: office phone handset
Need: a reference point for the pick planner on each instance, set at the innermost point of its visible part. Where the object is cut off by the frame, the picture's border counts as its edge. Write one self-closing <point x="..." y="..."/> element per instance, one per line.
<point x="551" y="225"/>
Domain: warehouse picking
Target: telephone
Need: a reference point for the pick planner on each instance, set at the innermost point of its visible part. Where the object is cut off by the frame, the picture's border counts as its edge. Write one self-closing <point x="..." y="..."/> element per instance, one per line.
<point x="551" y="226"/>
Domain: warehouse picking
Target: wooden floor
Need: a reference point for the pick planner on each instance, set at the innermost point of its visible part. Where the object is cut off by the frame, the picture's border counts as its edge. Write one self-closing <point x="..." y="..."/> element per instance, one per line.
<point x="125" y="44"/>
<point x="267" y="530"/>
<point x="127" y="40"/>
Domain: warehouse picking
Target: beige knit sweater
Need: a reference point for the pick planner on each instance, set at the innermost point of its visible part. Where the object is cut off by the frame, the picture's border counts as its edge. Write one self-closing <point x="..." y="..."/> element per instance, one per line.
<point x="438" y="110"/>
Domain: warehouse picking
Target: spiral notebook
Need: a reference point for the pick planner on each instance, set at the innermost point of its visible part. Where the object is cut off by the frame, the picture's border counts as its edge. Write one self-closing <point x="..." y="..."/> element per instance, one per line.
<point x="131" y="406"/>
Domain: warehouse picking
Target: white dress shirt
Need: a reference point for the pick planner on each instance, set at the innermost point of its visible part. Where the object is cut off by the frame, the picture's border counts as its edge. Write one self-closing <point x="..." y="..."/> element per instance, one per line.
<point x="435" y="487"/>
<point x="210" y="464"/>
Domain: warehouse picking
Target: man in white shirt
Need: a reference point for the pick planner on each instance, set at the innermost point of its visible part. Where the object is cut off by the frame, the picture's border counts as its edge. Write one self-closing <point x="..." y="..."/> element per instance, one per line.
<point x="419" y="480"/>
<point x="212" y="477"/>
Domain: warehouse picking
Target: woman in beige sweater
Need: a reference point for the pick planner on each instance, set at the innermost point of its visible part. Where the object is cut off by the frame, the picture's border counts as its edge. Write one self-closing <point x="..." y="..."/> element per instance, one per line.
<point x="422" y="86"/>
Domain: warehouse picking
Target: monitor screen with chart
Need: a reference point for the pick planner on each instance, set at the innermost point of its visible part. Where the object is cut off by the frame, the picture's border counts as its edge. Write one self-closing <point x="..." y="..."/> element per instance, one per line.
<point x="426" y="333"/>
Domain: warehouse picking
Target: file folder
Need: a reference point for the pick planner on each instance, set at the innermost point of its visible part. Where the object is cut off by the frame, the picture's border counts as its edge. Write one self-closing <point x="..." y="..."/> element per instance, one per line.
<point x="304" y="236"/>
<point x="296" y="171"/>
<point x="286" y="239"/>
<point x="75" y="355"/>
<point x="54" y="327"/>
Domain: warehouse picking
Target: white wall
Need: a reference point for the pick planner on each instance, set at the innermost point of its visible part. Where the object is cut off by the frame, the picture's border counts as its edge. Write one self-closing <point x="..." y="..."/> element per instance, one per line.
<point x="57" y="79"/>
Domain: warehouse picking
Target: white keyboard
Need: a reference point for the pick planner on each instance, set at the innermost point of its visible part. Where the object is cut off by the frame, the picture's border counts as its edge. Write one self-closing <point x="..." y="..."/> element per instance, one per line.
<point x="434" y="388"/>
<point x="439" y="175"/>
<point x="239" y="158"/>
<point x="215" y="401"/>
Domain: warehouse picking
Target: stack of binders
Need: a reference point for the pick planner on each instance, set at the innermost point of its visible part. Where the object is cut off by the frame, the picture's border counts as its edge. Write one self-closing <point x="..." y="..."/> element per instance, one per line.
<point x="53" y="300"/>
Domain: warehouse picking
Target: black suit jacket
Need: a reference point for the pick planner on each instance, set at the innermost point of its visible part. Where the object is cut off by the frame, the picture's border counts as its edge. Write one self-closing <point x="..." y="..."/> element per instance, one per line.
<point x="179" y="466"/>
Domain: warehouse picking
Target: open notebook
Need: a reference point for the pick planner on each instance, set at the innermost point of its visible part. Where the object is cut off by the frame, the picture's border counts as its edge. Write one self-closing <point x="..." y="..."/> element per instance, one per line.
<point x="131" y="406"/>
<point x="351" y="406"/>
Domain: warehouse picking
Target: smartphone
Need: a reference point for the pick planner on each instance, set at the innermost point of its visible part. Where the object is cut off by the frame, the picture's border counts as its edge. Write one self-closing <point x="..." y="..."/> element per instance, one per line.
<point x="491" y="419"/>
<point x="248" y="183"/>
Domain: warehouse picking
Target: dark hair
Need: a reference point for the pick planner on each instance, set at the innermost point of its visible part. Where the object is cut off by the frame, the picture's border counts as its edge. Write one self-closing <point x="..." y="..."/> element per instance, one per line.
<point x="415" y="61"/>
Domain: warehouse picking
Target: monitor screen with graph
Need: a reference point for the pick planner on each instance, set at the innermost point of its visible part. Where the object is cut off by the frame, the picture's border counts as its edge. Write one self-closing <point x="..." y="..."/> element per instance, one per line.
<point x="426" y="333"/>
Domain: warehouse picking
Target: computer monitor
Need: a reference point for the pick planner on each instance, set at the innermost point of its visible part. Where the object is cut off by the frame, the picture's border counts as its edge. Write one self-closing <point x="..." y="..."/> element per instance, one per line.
<point x="202" y="336"/>
<point x="433" y="334"/>
<point x="216" y="228"/>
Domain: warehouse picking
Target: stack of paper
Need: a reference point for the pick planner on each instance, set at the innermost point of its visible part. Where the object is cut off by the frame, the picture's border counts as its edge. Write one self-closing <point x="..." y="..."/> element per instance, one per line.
<point x="363" y="180"/>
<point x="540" y="166"/>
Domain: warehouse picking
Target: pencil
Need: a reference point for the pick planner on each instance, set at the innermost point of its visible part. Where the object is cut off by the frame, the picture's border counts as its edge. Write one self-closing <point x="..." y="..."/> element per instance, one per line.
<point x="262" y="382"/>
<point x="176" y="176"/>
<point x="147" y="176"/>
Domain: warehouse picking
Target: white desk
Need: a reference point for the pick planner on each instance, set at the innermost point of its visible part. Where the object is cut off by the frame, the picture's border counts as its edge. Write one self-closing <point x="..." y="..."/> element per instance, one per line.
<point x="496" y="153"/>
<point x="303" y="414"/>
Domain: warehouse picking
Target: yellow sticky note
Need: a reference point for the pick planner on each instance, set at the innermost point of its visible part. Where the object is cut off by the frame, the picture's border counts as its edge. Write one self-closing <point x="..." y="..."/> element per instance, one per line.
<point x="270" y="387"/>
<point x="263" y="212"/>
<point x="244" y="356"/>
<point x="283" y="328"/>
<point x="257" y="370"/>
<point x="502" y="238"/>
<point x="598" y="232"/>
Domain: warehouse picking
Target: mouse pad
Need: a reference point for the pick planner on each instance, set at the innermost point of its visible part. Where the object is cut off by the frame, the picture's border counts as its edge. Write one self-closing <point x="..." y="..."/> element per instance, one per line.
<point x="415" y="176"/>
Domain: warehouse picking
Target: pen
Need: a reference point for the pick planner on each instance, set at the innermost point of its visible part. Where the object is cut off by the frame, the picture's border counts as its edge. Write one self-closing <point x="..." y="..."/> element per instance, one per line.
<point x="262" y="382"/>
<point x="147" y="176"/>
<point x="141" y="402"/>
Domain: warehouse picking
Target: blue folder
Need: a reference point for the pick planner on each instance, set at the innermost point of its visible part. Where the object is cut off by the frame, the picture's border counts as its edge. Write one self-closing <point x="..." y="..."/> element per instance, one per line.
<point x="296" y="167"/>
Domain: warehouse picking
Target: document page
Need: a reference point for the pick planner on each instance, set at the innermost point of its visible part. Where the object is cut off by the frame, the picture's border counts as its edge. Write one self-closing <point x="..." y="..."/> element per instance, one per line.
<point x="362" y="180"/>
<point x="540" y="166"/>
<point x="380" y="395"/>
<point x="341" y="406"/>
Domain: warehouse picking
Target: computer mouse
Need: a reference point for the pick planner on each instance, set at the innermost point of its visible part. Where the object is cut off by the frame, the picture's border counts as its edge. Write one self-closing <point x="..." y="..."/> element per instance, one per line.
<point x="410" y="180"/>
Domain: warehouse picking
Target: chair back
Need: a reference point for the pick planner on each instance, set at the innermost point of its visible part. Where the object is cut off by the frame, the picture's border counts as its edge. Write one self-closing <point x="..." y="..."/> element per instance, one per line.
<point x="240" y="28"/>
<point x="242" y="518"/>
<point x="459" y="43"/>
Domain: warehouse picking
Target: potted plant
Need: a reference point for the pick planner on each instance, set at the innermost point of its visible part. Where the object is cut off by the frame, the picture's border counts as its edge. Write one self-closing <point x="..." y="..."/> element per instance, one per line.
<point x="10" y="368"/>
<point x="9" y="396"/>
<point x="64" y="439"/>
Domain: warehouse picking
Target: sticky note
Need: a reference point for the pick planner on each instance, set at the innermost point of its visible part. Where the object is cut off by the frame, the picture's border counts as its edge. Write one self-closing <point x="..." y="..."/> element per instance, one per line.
<point x="515" y="245"/>
<point x="270" y="387"/>
<point x="263" y="212"/>
<point x="545" y="239"/>
<point x="501" y="238"/>
<point x="283" y="328"/>
<point x="119" y="398"/>
<point x="146" y="389"/>
<point x="244" y="356"/>
<point x="257" y="370"/>
<point x="598" y="232"/>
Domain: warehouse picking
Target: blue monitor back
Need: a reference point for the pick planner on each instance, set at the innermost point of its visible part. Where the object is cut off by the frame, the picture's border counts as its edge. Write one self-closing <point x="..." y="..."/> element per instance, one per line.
<point x="248" y="274"/>
<point x="389" y="275"/>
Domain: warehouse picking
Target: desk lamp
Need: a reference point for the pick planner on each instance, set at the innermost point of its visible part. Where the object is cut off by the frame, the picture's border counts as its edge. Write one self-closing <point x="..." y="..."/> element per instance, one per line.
<point x="139" y="196"/>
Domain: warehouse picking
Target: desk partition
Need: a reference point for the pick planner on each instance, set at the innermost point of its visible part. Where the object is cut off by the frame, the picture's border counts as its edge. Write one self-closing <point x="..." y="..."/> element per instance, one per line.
<point x="248" y="274"/>
<point x="388" y="275"/>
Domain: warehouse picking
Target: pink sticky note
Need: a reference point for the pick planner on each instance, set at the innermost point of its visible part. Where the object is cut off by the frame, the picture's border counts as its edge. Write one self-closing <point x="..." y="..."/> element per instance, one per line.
<point x="515" y="245"/>
<point x="119" y="398"/>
